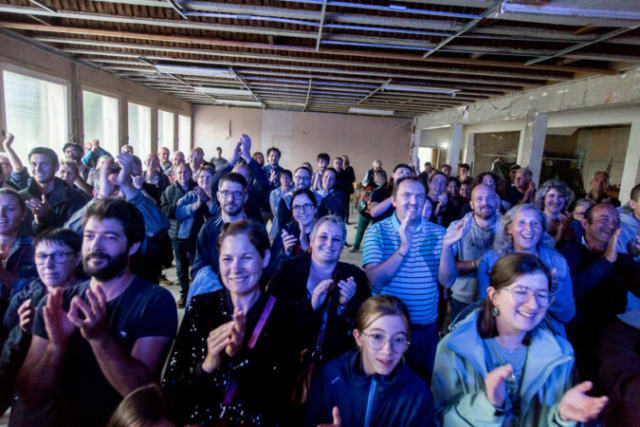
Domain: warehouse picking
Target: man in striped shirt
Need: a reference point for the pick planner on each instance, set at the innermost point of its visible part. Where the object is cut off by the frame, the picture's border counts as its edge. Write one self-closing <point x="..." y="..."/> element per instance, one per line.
<point x="401" y="256"/>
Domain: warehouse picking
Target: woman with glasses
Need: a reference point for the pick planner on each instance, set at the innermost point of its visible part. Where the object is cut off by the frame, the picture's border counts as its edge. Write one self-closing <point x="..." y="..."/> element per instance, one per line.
<point x="522" y="229"/>
<point x="294" y="235"/>
<point x="57" y="257"/>
<point x="497" y="367"/>
<point x="372" y="385"/>
<point x="234" y="360"/>
<point x="330" y="290"/>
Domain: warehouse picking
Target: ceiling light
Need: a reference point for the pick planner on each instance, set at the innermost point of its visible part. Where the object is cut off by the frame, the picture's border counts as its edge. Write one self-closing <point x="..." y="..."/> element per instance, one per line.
<point x="196" y="71"/>
<point x="223" y="91"/>
<point x="239" y="103"/>
<point x="423" y="89"/>
<point x="371" y="112"/>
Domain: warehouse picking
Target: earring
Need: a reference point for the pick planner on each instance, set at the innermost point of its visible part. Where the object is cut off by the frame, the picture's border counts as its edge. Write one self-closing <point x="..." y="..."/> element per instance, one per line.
<point x="494" y="311"/>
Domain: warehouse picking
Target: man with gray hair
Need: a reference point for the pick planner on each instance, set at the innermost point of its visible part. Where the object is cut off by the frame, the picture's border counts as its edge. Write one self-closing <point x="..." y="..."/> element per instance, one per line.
<point x="598" y="192"/>
<point x="523" y="189"/>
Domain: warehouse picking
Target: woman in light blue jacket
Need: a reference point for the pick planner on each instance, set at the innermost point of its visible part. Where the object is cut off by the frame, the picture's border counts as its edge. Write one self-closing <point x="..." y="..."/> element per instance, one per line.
<point x="498" y="368"/>
<point x="522" y="229"/>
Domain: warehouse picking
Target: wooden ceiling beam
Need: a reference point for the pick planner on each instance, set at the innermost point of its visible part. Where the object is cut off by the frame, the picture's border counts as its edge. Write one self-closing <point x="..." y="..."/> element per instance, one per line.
<point x="324" y="51"/>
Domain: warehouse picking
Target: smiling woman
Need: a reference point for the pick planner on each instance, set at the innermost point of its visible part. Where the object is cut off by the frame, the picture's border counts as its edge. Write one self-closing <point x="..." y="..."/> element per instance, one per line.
<point x="325" y="286"/>
<point x="498" y="367"/>
<point x="236" y="343"/>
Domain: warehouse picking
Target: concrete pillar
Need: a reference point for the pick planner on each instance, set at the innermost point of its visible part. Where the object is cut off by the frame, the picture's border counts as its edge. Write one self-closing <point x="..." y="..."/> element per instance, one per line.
<point x="124" y="122"/>
<point x="632" y="159"/>
<point x="415" y="145"/>
<point x="470" y="151"/>
<point x="531" y="145"/>
<point x="154" y="130"/>
<point x="176" y="123"/>
<point x="77" y="122"/>
<point x="454" y="149"/>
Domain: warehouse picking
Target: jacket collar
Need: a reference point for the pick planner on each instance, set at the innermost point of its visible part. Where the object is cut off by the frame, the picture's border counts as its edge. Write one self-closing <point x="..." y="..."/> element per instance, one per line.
<point x="466" y="342"/>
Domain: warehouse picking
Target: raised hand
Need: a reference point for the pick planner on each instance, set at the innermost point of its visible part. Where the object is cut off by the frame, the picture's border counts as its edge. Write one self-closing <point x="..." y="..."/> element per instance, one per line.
<point x="289" y="241"/>
<point x="347" y="290"/>
<point x="577" y="406"/>
<point x="456" y="233"/>
<point x="238" y="327"/>
<point x="405" y="236"/>
<point x="217" y="341"/>
<point x="237" y="151"/>
<point x="93" y="326"/>
<point x="39" y="208"/>
<point x="245" y="146"/>
<point x="320" y="293"/>
<point x="496" y="385"/>
<point x="59" y="327"/>
<point x="611" y="253"/>
<point x="8" y="140"/>
<point x="337" y="421"/>
<point x="125" y="160"/>
<point x="26" y="312"/>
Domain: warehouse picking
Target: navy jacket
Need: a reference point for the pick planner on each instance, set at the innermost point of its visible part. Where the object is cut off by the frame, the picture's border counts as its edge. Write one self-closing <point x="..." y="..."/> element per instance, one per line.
<point x="399" y="399"/>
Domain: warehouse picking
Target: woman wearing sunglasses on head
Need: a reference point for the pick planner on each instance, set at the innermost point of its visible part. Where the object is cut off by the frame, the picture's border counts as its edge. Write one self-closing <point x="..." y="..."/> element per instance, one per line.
<point x="372" y="386"/>
<point x="497" y="367"/>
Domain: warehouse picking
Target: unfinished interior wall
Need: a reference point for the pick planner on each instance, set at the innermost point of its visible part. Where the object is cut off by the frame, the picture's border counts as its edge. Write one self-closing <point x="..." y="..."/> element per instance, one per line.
<point x="302" y="136"/>
<point x="16" y="55"/>
<point x="489" y="146"/>
<point x="603" y="149"/>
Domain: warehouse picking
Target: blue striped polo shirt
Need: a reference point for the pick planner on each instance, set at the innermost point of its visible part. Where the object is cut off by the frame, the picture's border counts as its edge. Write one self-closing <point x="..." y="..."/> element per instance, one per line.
<point x="416" y="281"/>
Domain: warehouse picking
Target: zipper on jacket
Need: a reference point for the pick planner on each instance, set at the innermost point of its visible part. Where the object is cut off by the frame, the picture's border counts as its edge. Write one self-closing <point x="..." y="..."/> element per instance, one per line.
<point x="372" y="392"/>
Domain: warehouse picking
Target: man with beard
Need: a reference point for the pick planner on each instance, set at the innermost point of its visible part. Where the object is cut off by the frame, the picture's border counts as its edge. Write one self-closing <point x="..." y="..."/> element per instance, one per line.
<point x="50" y="199"/>
<point x="232" y="195"/>
<point x="96" y="342"/>
<point x="463" y="246"/>
<point x="401" y="255"/>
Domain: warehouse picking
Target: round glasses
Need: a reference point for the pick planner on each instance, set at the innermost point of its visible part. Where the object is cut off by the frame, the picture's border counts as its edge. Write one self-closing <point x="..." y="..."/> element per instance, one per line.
<point x="522" y="294"/>
<point x="306" y="207"/>
<point x="57" y="257"/>
<point x="398" y="343"/>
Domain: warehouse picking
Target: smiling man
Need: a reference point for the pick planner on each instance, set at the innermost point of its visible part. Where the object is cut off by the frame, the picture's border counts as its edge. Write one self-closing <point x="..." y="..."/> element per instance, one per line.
<point x="401" y="255"/>
<point x="464" y="244"/>
<point x="601" y="279"/>
<point x="50" y="199"/>
<point x="96" y="342"/>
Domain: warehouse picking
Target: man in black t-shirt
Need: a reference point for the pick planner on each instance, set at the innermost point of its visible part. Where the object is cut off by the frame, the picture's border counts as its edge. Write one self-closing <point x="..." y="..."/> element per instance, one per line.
<point x="96" y="342"/>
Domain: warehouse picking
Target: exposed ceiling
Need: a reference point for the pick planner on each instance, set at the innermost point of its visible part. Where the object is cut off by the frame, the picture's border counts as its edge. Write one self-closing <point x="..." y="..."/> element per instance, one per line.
<point x="403" y="58"/>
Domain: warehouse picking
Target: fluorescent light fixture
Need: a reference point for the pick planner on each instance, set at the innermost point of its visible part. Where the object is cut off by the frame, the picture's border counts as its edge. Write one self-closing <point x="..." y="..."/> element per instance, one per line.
<point x="371" y="112"/>
<point x="239" y="103"/>
<point x="196" y="71"/>
<point x="223" y="91"/>
<point x="423" y="89"/>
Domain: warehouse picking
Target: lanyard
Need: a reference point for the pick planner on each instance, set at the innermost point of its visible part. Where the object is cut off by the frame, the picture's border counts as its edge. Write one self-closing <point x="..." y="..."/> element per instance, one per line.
<point x="228" y="397"/>
<point x="513" y="388"/>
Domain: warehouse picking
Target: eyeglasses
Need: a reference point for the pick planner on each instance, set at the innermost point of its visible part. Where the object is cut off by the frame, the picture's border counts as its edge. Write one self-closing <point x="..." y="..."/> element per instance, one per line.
<point x="57" y="257"/>
<point x="306" y="207"/>
<point x="302" y="178"/>
<point x="522" y="294"/>
<point x="236" y="194"/>
<point x="377" y="341"/>
<point x="5" y="164"/>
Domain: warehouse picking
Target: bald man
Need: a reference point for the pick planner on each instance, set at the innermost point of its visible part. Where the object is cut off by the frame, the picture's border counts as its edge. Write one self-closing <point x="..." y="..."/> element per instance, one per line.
<point x="464" y="244"/>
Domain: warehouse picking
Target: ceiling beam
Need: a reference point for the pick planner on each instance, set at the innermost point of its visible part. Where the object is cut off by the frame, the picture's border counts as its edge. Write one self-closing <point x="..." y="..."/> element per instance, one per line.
<point x="322" y="15"/>
<point x="581" y="45"/>
<point x="467" y="27"/>
<point x="334" y="52"/>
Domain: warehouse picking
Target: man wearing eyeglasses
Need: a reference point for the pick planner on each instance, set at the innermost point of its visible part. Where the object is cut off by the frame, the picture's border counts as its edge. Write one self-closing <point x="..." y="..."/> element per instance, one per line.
<point x="232" y="195"/>
<point x="601" y="278"/>
<point x="57" y="256"/>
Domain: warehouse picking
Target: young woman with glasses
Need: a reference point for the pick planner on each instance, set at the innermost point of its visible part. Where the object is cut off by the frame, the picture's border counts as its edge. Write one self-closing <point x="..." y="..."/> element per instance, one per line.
<point x="293" y="238"/>
<point x="372" y="385"/>
<point x="497" y="367"/>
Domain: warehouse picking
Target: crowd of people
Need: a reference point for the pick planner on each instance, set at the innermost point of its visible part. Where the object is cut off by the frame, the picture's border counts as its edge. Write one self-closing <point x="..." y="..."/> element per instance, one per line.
<point x="481" y="300"/>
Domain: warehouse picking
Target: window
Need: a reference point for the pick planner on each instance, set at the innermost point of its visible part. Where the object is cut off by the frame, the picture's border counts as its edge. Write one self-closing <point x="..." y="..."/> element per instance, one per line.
<point x="184" y="134"/>
<point x="36" y="112"/>
<point x="101" y="120"/>
<point x="140" y="130"/>
<point x="165" y="129"/>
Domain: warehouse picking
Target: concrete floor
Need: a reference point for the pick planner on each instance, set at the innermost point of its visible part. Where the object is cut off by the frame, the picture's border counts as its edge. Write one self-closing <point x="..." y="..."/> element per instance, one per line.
<point x="346" y="256"/>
